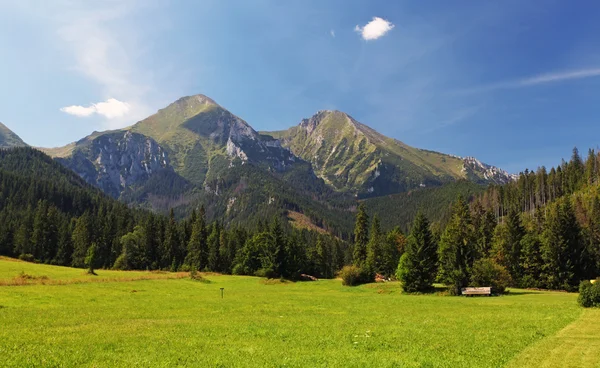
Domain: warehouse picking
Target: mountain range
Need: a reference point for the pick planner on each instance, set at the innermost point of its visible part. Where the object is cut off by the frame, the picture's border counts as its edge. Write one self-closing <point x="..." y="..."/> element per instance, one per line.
<point x="195" y="152"/>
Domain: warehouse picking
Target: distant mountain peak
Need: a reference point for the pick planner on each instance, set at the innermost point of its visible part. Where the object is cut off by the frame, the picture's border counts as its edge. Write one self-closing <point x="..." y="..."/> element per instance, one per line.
<point x="9" y="139"/>
<point x="198" y="99"/>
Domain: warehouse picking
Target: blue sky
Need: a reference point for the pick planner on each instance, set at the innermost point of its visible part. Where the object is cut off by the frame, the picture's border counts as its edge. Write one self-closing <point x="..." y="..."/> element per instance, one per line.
<point x="513" y="83"/>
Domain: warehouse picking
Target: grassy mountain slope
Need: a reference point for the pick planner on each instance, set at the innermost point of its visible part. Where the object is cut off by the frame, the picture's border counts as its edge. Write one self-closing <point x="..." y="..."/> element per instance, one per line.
<point x="352" y="156"/>
<point x="9" y="139"/>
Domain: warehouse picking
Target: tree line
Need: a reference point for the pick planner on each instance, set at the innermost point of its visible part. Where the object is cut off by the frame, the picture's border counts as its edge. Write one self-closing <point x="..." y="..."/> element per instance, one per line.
<point x="540" y="231"/>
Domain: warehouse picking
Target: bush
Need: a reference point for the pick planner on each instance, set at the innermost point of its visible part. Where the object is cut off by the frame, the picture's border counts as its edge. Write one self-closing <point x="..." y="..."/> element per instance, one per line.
<point x="589" y="294"/>
<point x="353" y="276"/>
<point x="27" y="257"/>
<point x="266" y="272"/>
<point x="486" y="272"/>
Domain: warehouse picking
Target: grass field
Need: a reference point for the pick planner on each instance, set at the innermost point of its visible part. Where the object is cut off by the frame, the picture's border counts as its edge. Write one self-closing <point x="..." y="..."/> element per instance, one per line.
<point x="180" y="322"/>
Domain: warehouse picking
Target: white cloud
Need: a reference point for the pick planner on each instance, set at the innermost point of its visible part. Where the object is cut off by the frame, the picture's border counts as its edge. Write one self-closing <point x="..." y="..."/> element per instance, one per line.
<point x="110" y="109"/>
<point x="105" y="49"/>
<point x="374" y="29"/>
<point x="332" y="32"/>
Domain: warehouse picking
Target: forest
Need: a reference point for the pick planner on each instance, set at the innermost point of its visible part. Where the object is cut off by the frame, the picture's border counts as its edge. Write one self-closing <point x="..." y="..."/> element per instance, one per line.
<point x="540" y="231"/>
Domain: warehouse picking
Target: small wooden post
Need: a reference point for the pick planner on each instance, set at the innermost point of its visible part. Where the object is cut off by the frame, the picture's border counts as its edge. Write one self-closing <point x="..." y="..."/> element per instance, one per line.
<point x="222" y="289"/>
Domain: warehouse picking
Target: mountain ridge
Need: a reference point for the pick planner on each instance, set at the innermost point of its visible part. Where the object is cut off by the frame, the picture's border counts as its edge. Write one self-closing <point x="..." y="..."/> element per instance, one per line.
<point x="194" y="152"/>
<point x="353" y="156"/>
<point x="8" y="138"/>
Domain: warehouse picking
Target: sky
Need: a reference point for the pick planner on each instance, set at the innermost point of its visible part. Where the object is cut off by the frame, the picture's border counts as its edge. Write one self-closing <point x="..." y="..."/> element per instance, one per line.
<point x="514" y="83"/>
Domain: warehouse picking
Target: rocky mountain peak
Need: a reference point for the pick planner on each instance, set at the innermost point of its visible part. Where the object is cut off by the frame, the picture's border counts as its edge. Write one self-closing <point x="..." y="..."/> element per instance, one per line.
<point x="9" y="139"/>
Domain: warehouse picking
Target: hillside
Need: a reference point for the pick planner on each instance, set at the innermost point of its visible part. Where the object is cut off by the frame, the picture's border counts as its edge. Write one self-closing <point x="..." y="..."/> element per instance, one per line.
<point x="353" y="157"/>
<point x="9" y="139"/>
<point x="435" y="203"/>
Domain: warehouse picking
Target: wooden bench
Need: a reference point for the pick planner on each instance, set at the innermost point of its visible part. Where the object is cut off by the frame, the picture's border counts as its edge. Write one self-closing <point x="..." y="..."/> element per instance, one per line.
<point x="470" y="291"/>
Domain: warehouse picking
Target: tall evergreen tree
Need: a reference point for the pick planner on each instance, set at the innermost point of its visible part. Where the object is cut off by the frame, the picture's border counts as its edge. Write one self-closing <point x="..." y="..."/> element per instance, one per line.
<point x="82" y="239"/>
<point x="197" y="251"/>
<point x="456" y="249"/>
<point x="374" y="247"/>
<point x="361" y="236"/>
<point x="214" y="242"/>
<point x="417" y="268"/>
<point x="561" y="248"/>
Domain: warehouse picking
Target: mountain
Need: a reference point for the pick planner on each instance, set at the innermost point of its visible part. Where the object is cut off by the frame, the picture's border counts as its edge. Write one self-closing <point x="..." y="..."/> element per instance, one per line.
<point x="196" y="152"/>
<point x="9" y="139"/>
<point x="351" y="156"/>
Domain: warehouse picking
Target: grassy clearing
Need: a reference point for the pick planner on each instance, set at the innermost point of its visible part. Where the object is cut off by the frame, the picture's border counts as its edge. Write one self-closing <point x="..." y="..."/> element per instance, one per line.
<point x="183" y="322"/>
<point x="14" y="272"/>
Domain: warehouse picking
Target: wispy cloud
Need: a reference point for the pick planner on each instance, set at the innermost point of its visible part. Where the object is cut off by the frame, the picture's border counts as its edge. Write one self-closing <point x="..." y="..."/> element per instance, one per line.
<point x="375" y="29"/>
<point x="538" y="80"/>
<point x="332" y="33"/>
<point x="110" y="109"/>
<point x="105" y="52"/>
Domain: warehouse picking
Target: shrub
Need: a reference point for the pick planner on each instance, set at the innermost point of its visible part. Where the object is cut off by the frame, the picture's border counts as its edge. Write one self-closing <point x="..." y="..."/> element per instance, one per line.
<point x="354" y="275"/>
<point x="486" y="272"/>
<point x="238" y="269"/>
<point x="268" y="273"/>
<point x="27" y="257"/>
<point x="589" y="294"/>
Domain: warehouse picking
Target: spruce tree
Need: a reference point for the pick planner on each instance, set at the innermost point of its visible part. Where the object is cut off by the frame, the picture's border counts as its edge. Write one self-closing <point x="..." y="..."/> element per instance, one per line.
<point x="456" y="249"/>
<point x="561" y="248"/>
<point x="374" y="247"/>
<point x="81" y="239"/>
<point x="361" y="236"/>
<point x="213" y="247"/>
<point x="279" y="266"/>
<point x="515" y="232"/>
<point x="197" y="250"/>
<point x="418" y="264"/>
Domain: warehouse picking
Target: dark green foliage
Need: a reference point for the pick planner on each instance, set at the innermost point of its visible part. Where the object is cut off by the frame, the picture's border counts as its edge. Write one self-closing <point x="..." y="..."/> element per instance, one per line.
<point x="435" y="203"/>
<point x="393" y="247"/>
<point x="361" y="236"/>
<point x="91" y="259"/>
<point x="418" y="265"/>
<point x="486" y="273"/>
<point x="456" y="251"/>
<point x="589" y="294"/>
<point x="374" y="261"/>
<point x="562" y="248"/>
<point x="531" y="261"/>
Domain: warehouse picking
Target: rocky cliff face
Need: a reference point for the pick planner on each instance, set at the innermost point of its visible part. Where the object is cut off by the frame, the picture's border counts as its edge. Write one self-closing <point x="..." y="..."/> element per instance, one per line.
<point x="117" y="161"/>
<point x="351" y="156"/>
<point x="479" y="171"/>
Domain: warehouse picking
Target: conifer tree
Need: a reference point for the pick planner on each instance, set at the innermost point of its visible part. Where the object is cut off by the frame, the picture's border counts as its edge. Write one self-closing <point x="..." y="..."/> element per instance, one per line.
<point x="197" y="251"/>
<point x="361" y="236"/>
<point x="418" y="264"/>
<point x="561" y="248"/>
<point x="279" y="241"/>
<point x="374" y="247"/>
<point x="456" y="249"/>
<point x="81" y="239"/>
<point x="213" y="241"/>
<point x="393" y="246"/>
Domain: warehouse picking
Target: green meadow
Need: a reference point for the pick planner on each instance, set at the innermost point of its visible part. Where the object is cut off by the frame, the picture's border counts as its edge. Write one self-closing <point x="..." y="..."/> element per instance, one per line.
<point x="116" y="319"/>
